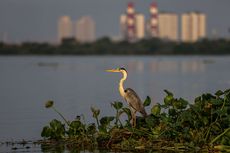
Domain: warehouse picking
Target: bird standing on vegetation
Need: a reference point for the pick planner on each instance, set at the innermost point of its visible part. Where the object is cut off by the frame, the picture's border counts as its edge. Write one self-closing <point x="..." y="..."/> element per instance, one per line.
<point x="130" y="96"/>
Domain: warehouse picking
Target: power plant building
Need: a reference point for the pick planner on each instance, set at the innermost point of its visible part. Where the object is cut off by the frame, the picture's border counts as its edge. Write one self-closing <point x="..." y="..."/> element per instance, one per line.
<point x="152" y="25"/>
<point x="132" y="24"/>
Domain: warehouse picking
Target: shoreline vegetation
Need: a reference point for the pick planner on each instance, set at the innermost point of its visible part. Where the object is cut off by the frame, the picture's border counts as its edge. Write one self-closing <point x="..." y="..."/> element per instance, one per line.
<point x="175" y="125"/>
<point x="105" y="46"/>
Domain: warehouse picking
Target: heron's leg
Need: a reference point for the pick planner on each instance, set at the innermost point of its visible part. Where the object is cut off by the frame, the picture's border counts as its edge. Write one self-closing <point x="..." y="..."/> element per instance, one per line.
<point x="133" y="113"/>
<point x="134" y="118"/>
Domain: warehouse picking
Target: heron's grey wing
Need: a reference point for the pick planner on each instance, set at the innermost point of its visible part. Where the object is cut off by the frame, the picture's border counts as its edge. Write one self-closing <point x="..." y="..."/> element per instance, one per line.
<point x="134" y="101"/>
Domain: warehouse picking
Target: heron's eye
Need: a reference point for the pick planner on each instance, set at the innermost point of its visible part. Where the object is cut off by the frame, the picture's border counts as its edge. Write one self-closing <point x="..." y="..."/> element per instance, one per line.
<point x="125" y="90"/>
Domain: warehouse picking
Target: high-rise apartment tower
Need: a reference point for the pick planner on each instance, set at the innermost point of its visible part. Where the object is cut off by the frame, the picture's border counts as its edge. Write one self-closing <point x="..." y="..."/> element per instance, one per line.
<point x="85" y="29"/>
<point x="64" y="28"/>
<point x="168" y="26"/>
<point x="193" y="26"/>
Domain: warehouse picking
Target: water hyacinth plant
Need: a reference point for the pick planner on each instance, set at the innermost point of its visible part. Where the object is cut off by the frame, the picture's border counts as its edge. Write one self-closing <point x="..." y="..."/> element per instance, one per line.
<point x="175" y="124"/>
<point x="50" y="104"/>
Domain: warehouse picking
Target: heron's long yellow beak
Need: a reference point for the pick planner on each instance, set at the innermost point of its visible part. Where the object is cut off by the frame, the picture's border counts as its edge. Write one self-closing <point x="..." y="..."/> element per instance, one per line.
<point x="113" y="70"/>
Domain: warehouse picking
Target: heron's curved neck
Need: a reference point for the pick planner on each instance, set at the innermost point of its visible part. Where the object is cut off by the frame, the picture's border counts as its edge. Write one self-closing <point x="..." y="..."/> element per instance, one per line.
<point x="121" y="84"/>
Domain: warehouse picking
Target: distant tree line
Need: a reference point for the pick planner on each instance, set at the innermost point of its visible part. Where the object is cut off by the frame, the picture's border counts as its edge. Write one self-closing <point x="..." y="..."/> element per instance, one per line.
<point x="105" y="46"/>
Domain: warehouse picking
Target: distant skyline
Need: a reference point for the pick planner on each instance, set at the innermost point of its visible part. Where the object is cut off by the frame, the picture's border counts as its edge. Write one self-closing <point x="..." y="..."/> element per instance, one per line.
<point x="27" y="20"/>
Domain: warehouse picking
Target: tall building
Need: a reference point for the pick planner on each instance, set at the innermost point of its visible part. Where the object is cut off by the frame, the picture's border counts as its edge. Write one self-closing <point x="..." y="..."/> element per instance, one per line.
<point x="132" y="24"/>
<point x="139" y="26"/>
<point x="152" y="25"/>
<point x="193" y="26"/>
<point x="168" y="26"/>
<point x="64" y="28"/>
<point x="85" y="29"/>
<point x="123" y="26"/>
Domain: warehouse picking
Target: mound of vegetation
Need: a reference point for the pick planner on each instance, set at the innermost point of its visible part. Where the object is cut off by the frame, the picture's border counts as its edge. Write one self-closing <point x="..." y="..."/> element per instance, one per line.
<point x="175" y="125"/>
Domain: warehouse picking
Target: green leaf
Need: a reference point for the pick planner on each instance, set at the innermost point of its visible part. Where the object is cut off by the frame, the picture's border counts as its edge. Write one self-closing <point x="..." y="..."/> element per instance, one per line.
<point x="106" y="120"/>
<point x="186" y="116"/>
<point x="168" y="92"/>
<point x="220" y="112"/>
<point x="91" y="129"/>
<point x="147" y="101"/>
<point x="55" y="124"/>
<point x="217" y="102"/>
<point x="117" y="105"/>
<point x="76" y="128"/>
<point x="219" y="93"/>
<point x="156" y="110"/>
<point x="75" y="124"/>
<point x="46" y="132"/>
<point x="168" y="100"/>
<point x="208" y="96"/>
<point x="150" y="120"/>
<point x="180" y="104"/>
<point x="198" y="99"/>
<point x="184" y="103"/>
<point x="227" y="95"/>
<point x="172" y="112"/>
<point x="227" y="91"/>
<point x="56" y="130"/>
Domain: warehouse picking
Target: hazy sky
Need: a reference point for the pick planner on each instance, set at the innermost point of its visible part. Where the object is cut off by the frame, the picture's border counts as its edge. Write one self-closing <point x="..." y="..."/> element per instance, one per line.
<point x="36" y="20"/>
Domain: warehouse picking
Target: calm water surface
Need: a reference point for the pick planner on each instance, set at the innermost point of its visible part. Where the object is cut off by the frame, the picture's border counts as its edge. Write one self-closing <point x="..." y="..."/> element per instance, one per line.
<point x="76" y="83"/>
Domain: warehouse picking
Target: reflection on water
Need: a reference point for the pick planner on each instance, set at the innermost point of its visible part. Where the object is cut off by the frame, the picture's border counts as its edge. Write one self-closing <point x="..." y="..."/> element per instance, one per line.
<point x="177" y="66"/>
<point x="32" y="147"/>
<point x="191" y="66"/>
<point x="157" y="65"/>
<point x="77" y="83"/>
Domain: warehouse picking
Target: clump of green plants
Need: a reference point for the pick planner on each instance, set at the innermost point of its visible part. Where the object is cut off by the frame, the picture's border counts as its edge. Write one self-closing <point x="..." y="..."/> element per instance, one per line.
<point x="175" y="124"/>
<point x="75" y="132"/>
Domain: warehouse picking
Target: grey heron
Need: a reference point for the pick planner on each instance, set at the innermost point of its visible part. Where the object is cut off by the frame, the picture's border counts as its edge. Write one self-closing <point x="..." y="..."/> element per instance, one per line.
<point x="130" y="96"/>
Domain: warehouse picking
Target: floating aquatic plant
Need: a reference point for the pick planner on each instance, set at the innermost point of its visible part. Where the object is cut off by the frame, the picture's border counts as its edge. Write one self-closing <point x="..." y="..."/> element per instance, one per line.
<point x="175" y="124"/>
<point x="50" y="104"/>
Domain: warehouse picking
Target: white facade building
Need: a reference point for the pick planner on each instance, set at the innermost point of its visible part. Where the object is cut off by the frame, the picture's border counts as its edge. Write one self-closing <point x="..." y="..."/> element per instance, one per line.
<point x="139" y="26"/>
<point x="85" y="29"/>
<point x="64" y="28"/>
<point x="193" y="26"/>
<point x="168" y="26"/>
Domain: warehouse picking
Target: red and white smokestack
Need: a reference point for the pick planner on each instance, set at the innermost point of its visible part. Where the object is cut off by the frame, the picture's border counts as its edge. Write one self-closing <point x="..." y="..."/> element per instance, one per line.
<point x="130" y="22"/>
<point x="153" y="19"/>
